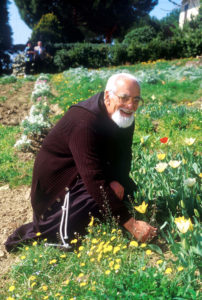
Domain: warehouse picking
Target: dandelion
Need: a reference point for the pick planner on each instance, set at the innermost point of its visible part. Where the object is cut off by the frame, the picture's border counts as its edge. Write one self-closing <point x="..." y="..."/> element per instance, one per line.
<point x="143" y="245"/>
<point x="83" y="284"/>
<point x="113" y="230"/>
<point x="190" y="182"/>
<point x="66" y="282"/>
<point x="141" y="208"/>
<point x="44" y="288"/>
<point x="63" y="255"/>
<point x="164" y="140"/>
<point x="189" y="141"/>
<point x="159" y="262"/>
<point x="34" y="243"/>
<point x="11" y="288"/>
<point x="38" y="233"/>
<point x="143" y="268"/>
<point x="53" y="261"/>
<point x="133" y="244"/>
<point x="116" y="249"/>
<point x="160" y="167"/>
<point x="180" y="268"/>
<point x="161" y="156"/>
<point x="113" y="238"/>
<point x="117" y="267"/>
<point x="45" y="297"/>
<point x="149" y="252"/>
<point x="10" y="298"/>
<point x="23" y="257"/>
<point x="74" y="241"/>
<point x="183" y="224"/>
<point x="33" y="284"/>
<point x="174" y="163"/>
<point x="26" y="248"/>
<point x="81" y="248"/>
<point x="82" y="264"/>
<point x="111" y="263"/>
<point x="107" y="272"/>
<point x="32" y="278"/>
<point x="168" y="271"/>
<point x="94" y="241"/>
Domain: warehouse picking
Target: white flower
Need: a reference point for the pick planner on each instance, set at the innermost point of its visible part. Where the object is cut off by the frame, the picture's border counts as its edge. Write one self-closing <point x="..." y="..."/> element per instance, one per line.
<point x="174" y="163"/>
<point x="190" y="182"/>
<point x="189" y="141"/>
<point x="160" y="167"/>
<point x="183" y="224"/>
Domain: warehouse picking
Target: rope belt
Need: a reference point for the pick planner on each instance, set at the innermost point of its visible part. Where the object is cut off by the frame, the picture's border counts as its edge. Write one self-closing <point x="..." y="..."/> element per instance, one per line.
<point x="63" y="224"/>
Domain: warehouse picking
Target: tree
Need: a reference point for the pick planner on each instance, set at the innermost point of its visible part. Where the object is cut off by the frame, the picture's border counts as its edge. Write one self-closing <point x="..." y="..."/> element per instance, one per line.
<point x="103" y="17"/>
<point x="5" y="35"/>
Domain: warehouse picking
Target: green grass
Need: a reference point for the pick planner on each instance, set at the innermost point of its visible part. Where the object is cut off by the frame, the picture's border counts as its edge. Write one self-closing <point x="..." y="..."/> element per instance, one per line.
<point x="12" y="170"/>
<point x="97" y="270"/>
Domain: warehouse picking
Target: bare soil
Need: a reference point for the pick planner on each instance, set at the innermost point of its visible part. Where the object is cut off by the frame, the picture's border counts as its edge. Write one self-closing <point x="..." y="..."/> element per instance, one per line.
<point x="15" y="203"/>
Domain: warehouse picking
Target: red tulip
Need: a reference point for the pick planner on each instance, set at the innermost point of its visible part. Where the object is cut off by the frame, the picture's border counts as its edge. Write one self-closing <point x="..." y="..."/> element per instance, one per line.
<point x="164" y="140"/>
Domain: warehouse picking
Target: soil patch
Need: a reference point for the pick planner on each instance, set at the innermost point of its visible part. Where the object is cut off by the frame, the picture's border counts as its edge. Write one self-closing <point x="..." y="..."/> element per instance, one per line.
<point x="15" y="102"/>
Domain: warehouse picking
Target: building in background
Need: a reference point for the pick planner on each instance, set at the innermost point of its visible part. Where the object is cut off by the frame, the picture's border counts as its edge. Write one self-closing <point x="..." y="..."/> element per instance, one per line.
<point x="189" y="10"/>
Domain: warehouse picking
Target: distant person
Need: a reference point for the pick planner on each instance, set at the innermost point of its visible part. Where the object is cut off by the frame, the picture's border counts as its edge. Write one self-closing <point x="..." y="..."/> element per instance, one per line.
<point x="40" y="54"/>
<point x="29" y="57"/>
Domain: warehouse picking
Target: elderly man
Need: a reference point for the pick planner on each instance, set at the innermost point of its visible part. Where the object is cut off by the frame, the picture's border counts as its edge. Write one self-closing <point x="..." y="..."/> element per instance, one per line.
<point x="82" y="169"/>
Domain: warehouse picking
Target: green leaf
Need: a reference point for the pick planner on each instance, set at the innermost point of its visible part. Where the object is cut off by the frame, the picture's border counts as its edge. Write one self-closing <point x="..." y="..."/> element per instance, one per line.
<point x="196" y="168"/>
<point x="156" y="248"/>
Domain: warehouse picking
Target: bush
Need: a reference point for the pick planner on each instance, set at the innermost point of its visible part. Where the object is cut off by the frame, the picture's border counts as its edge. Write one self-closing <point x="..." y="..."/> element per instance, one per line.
<point x="140" y="35"/>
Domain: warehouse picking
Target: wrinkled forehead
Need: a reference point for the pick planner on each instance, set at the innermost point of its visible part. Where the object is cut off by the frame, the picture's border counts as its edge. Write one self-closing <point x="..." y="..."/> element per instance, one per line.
<point x="127" y="86"/>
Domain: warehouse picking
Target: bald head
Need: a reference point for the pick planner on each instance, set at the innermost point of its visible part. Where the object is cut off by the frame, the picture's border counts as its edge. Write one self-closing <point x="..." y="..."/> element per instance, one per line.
<point x="120" y="79"/>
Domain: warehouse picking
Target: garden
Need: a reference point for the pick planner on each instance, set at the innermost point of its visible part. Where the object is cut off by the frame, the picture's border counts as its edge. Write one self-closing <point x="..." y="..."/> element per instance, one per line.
<point x="108" y="263"/>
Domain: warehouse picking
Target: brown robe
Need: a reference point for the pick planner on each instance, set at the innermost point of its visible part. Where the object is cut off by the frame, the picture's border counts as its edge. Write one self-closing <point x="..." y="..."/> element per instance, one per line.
<point x="84" y="152"/>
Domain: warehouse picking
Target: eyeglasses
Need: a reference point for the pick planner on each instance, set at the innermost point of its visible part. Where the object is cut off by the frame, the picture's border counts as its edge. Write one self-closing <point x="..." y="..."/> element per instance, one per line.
<point x="126" y="98"/>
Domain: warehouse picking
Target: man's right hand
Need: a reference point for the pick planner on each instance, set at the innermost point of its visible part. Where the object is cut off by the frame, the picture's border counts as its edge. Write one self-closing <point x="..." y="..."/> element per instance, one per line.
<point x="141" y="230"/>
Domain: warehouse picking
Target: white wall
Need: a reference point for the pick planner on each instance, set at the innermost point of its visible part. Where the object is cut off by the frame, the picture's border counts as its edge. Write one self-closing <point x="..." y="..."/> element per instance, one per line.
<point x="189" y="9"/>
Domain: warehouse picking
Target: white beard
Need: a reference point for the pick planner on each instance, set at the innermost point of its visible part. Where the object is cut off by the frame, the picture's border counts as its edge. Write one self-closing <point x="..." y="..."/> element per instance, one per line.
<point x="122" y="121"/>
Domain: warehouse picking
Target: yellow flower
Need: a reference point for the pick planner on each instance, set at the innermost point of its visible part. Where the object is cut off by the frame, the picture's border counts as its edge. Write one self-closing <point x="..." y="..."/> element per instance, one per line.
<point x="142" y="140"/>
<point x="35" y="260"/>
<point x="45" y="297"/>
<point x="33" y="284"/>
<point x="133" y="244"/>
<point x="91" y="222"/>
<point x="80" y="275"/>
<point x="11" y="288"/>
<point x="190" y="182"/>
<point x="94" y="241"/>
<point x="83" y="284"/>
<point x="82" y="264"/>
<point x="113" y="230"/>
<point x="38" y="233"/>
<point x="180" y="268"/>
<point x="23" y="257"/>
<point x="92" y="259"/>
<point x="189" y="141"/>
<point x="168" y="271"/>
<point x="148" y="252"/>
<point x="63" y="255"/>
<point x="159" y="262"/>
<point x="161" y="156"/>
<point x="74" y="241"/>
<point x="141" y="208"/>
<point x="160" y="167"/>
<point x="111" y="263"/>
<point x="200" y="175"/>
<point x="10" y="298"/>
<point x="34" y="243"/>
<point x="31" y="278"/>
<point x="117" y="267"/>
<point x="118" y="260"/>
<point x="44" y="288"/>
<point x="143" y="245"/>
<point x="79" y="255"/>
<point x="26" y="248"/>
<point x="107" y="272"/>
<point x="116" y="249"/>
<point x="143" y="268"/>
<point x="174" y="163"/>
<point x="53" y="261"/>
<point x="113" y="238"/>
<point x="81" y="248"/>
<point x="57" y="295"/>
<point x="66" y="282"/>
<point x="183" y="224"/>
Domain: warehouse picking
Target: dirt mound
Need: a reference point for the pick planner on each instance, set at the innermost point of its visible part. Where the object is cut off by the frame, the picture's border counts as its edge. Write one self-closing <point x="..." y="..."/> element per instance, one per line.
<point x="16" y="102"/>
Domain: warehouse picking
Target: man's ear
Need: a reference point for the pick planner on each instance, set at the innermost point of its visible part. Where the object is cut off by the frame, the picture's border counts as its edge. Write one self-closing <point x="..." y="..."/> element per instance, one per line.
<point x="106" y="98"/>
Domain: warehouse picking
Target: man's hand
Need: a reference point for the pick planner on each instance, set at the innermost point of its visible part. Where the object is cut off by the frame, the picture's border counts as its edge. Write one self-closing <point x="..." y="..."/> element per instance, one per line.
<point x="141" y="230"/>
<point x="117" y="188"/>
